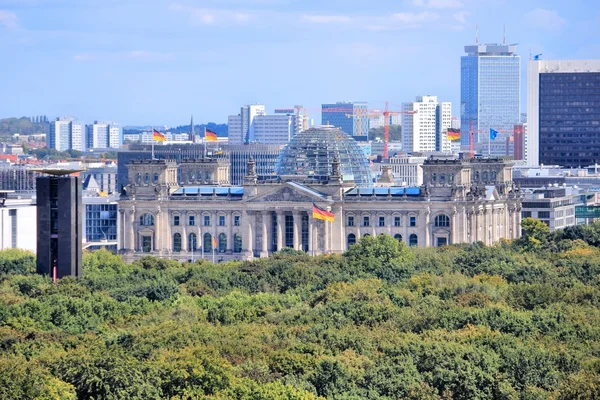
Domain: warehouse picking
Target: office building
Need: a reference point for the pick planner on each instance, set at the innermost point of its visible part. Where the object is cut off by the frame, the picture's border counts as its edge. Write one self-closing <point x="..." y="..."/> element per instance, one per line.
<point x="563" y="112"/>
<point x="520" y="142"/>
<point x="59" y="234"/>
<point x="461" y="201"/>
<point x="241" y="127"/>
<point x="489" y="95"/>
<point x="104" y="135"/>
<point x="350" y="117"/>
<point x="378" y="121"/>
<point x="17" y="222"/>
<point x="553" y="205"/>
<point x="425" y="128"/>
<point x="405" y="170"/>
<point x="66" y="134"/>
<point x="99" y="224"/>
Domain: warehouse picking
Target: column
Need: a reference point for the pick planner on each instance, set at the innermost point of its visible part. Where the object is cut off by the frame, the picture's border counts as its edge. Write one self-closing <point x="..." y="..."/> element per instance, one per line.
<point x="311" y="234"/>
<point x="120" y="231"/>
<point x="338" y="236"/>
<point x="230" y="235"/>
<point x="405" y="221"/>
<point x="214" y="215"/>
<point x="248" y="238"/>
<point x="453" y="227"/>
<point x="265" y="236"/>
<point x="374" y="221"/>
<point x="465" y="226"/>
<point x="427" y="228"/>
<point x="297" y="230"/>
<point x="132" y="236"/>
<point x="280" y="229"/>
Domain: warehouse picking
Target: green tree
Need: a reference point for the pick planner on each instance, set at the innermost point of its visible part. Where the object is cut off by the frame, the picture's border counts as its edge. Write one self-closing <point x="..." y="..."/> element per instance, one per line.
<point x="535" y="234"/>
<point x="395" y="133"/>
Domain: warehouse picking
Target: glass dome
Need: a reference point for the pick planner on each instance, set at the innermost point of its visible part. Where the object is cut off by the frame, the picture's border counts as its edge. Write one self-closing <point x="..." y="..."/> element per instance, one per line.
<point x="312" y="152"/>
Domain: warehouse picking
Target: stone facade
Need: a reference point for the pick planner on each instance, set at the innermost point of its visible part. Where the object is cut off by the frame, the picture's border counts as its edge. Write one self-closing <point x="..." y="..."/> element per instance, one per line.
<point x="461" y="201"/>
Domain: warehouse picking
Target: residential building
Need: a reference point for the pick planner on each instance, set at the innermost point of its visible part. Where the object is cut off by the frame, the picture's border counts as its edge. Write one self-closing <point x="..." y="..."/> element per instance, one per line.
<point x="563" y="112"/>
<point x="66" y="134"/>
<point x="59" y="235"/>
<point x="103" y="135"/>
<point x="17" y="222"/>
<point x="241" y="127"/>
<point x="425" y="124"/>
<point x="350" y="117"/>
<point x="490" y="95"/>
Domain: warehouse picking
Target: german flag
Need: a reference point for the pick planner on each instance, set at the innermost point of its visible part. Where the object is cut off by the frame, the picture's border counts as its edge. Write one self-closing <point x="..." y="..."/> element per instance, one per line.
<point x="210" y="136"/>
<point x="453" y="134"/>
<point x="214" y="242"/>
<point x="319" y="213"/>
<point x="156" y="135"/>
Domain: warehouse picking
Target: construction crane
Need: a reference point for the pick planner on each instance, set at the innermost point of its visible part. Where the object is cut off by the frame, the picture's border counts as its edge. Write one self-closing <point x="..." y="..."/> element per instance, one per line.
<point x="386" y="122"/>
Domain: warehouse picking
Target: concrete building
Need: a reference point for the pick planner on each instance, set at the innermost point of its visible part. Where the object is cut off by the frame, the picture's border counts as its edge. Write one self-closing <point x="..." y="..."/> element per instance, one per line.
<point x="104" y="177"/>
<point x="99" y="222"/>
<point x="378" y="121"/>
<point x="406" y="170"/>
<point x="490" y="95"/>
<point x="563" y="112"/>
<point x="426" y="129"/>
<point x="241" y="127"/>
<point x="104" y="135"/>
<point x="66" y="133"/>
<point x="59" y="235"/>
<point x="350" y="117"/>
<point x="461" y="201"/>
<point x="553" y="205"/>
<point x="17" y="222"/>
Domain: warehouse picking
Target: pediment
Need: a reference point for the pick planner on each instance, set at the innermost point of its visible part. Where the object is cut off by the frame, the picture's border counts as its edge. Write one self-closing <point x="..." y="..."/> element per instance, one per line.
<point x="289" y="194"/>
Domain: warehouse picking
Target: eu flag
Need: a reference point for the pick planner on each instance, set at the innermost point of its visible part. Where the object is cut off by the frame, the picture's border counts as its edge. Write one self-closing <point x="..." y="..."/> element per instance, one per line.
<point x="493" y="134"/>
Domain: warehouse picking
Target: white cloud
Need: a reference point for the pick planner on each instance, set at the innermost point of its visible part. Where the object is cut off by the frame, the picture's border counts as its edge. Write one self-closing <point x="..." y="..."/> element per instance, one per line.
<point x="8" y="19"/>
<point x="546" y="19"/>
<point x="461" y="16"/>
<point x="213" y="16"/>
<point x="438" y="4"/>
<point x="135" y="55"/>
<point x="326" y="19"/>
<point x="415" y="19"/>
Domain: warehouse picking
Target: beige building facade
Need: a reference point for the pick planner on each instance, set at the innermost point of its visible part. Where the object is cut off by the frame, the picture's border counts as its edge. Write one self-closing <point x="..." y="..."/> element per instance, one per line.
<point x="461" y="201"/>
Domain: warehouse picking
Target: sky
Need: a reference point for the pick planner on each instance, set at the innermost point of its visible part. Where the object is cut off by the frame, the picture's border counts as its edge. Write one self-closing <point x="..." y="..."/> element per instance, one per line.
<point x="156" y="62"/>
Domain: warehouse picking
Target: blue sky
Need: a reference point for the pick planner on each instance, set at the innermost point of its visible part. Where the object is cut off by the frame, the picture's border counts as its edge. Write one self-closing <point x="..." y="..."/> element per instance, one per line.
<point x="158" y="61"/>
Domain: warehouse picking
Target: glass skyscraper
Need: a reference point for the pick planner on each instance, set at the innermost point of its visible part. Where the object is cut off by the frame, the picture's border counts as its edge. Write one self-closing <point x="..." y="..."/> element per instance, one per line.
<point x="490" y="94"/>
<point x="350" y="117"/>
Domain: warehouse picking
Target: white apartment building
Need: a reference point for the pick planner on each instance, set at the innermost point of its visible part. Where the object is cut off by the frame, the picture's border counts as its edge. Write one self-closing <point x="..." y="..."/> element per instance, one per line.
<point x="102" y="135"/>
<point x="274" y="129"/>
<point x="241" y="127"/>
<point x="66" y="133"/>
<point x="426" y="129"/>
<point x="253" y="125"/>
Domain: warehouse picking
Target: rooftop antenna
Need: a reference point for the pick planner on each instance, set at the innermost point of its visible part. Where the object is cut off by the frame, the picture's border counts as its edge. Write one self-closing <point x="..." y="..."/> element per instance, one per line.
<point x="477" y="34"/>
<point x="504" y="40"/>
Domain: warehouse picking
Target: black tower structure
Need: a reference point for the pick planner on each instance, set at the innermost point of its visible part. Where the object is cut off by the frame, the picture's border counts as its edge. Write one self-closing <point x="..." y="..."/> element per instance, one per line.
<point x="59" y="213"/>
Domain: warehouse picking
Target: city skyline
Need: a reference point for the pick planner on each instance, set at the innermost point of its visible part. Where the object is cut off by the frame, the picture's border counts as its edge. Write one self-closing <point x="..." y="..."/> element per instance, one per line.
<point x="157" y="62"/>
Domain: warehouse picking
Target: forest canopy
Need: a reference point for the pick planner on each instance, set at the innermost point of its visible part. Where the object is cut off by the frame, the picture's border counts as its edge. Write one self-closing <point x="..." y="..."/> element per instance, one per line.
<point x="518" y="320"/>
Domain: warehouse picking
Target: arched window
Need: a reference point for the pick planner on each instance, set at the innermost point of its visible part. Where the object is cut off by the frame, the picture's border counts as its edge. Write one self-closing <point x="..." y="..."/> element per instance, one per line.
<point x="147" y="177"/>
<point x="156" y="177"/>
<point x="476" y="175"/>
<point x="237" y="243"/>
<point x="413" y="240"/>
<point x="398" y="237"/>
<point x="222" y="243"/>
<point x="177" y="242"/>
<point x="485" y="176"/>
<point x="442" y="178"/>
<point x="147" y="219"/>
<point x="207" y="242"/>
<point x="433" y="177"/>
<point x="192" y="242"/>
<point x="451" y="178"/>
<point x="442" y="220"/>
<point x="351" y="239"/>
<point x="493" y="175"/>
<point x="192" y="175"/>
<point x="138" y="178"/>
<point x="208" y="174"/>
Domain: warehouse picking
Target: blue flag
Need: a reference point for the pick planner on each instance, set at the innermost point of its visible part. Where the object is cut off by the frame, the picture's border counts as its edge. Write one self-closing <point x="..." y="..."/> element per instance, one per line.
<point x="493" y="134"/>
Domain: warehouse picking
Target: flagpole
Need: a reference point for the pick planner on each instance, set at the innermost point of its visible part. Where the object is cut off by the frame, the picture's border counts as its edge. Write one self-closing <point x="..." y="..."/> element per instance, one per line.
<point x="205" y="143"/>
<point x="153" y="143"/>
<point x="213" y="253"/>
<point x="489" y="143"/>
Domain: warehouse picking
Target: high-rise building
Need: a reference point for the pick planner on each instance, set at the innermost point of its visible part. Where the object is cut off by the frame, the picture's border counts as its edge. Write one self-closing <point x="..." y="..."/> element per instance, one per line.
<point x="350" y="117"/>
<point x="66" y="133"/>
<point x="377" y="121"/>
<point x="489" y="95"/>
<point x="59" y="232"/>
<point x="103" y="135"/>
<point x="241" y="127"/>
<point x="425" y="130"/>
<point x="563" y="112"/>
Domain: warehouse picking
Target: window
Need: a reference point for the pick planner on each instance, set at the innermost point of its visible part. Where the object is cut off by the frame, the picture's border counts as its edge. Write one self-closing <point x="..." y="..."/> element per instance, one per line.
<point x="156" y="177"/>
<point x="398" y="237"/>
<point x="191" y="220"/>
<point x="236" y="220"/>
<point x="192" y="176"/>
<point x="207" y="220"/>
<point x="351" y="239"/>
<point x="147" y="177"/>
<point x="177" y="242"/>
<point x="146" y="244"/>
<point x="351" y="220"/>
<point x="221" y="220"/>
<point x="237" y="243"/>
<point x="208" y="175"/>
<point x="543" y="214"/>
<point x="396" y="221"/>
<point x="442" y="220"/>
<point x="365" y="221"/>
<point x="381" y="221"/>
<point x="526" y="214"/>
<point x="207" y="242"/>
<point x="222" y="243"/>
<point x="147" y="219"/>
<point x="412" y="221"/>
<point x="485" y="175"/>
<point x="192" y="242"/>
<point x="138" y="178"/>
<point x="441" y="241"/>
<point x="433" y="177"/>
<point x="413" y="240"/>
<point x="176" y="220"/>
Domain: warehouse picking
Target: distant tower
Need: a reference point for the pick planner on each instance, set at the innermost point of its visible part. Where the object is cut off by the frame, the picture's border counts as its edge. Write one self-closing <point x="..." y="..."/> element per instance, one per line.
<point x="192" y="133"/>
<point x="59" y="234"/>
